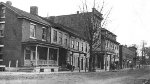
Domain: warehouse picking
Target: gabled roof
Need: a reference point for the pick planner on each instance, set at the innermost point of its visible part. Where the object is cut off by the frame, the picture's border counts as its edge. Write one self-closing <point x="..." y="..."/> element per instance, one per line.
<point x="26" y="15"/>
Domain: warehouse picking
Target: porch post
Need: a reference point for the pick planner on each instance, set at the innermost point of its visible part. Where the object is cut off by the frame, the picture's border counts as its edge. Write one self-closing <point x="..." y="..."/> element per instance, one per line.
<point x="57" y="56"/>
<point x="79" y="62"/>
<point x="36" y="55"/>
<point x="72" y="61"/>
<point x="47" y="55"/>
<point x="85" y="62"/>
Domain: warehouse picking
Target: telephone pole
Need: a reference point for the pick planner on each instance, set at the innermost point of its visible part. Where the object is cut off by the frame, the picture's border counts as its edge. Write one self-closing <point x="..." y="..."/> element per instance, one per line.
<point x="143" y="53"/>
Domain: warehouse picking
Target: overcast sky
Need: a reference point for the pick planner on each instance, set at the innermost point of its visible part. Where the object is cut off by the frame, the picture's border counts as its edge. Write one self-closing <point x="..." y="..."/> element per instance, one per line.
<point x="129" y="18"/>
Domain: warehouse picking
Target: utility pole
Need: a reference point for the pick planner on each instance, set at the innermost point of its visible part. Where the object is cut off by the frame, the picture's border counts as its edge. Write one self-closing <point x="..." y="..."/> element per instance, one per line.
<point x="143" y="53"/>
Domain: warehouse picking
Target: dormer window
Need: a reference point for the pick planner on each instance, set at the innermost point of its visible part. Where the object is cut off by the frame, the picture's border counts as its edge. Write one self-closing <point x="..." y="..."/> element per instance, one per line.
<point x="32" y="30"/>
<point x="43" y="33"/>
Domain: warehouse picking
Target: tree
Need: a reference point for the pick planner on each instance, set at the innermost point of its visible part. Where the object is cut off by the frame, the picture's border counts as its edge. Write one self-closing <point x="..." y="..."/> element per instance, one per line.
<point x="92" y="26"/>
<point x="147" y="54"/>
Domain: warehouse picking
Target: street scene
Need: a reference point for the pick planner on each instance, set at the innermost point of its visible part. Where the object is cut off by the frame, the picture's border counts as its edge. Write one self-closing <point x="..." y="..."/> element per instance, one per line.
<point x="81" y="42"/>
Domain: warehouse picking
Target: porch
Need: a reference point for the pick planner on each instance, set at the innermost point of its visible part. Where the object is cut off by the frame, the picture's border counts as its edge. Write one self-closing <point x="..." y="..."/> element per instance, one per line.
<point x="39" y="55"/>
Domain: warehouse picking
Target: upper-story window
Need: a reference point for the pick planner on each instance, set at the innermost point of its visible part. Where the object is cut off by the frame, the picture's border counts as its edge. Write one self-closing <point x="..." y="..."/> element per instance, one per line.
<point x="32" y="30"/>
<point x="43" y="33"/>
<point x="82" y="46"/>
<point x="65" y="40"/>
<point x="1" y="53"/>
<point x="77" y="45"/>
<point x="72" y="43"/>
<point x="60" y="37"/>
<point x="2" y="26"/>
<point x="55" y="36"/>
<point x="86" y="48"/>
<point x="3" y="12"/>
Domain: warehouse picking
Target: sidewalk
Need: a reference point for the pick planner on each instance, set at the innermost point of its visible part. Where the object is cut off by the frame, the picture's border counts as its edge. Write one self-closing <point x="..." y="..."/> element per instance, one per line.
<point x="75" y="71"/>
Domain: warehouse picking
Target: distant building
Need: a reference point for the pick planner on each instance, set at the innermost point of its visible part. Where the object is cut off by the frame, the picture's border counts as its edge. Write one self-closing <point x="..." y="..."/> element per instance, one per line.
<point x="127" y="56"/>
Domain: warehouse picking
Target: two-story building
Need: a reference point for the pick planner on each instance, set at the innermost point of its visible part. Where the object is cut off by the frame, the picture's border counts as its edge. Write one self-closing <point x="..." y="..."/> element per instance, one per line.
<point x="73" y="50"/>
<point x="109" y="49"/>
<point x="28" y="40"/>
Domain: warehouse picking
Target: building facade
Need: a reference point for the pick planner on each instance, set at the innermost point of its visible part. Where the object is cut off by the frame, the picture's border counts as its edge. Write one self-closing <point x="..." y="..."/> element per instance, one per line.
<point x="127" y="56"/>
<point x="83" y="23"/>
<point x="109" y="50"/>
<point x="28" y="40"/>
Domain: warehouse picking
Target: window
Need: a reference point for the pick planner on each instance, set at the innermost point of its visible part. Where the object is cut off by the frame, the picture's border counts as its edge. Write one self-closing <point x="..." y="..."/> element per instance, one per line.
<point x="3" y="12"/>
<point x="86" y="48"/>
<point x="27" y="55"/>
<point x="77" y="45"/>
<point x="1" y="53"/>
<point x="32" y="30"/>
<point x="2" y="26"/>
<point x="43" y="33"/>
<point x="65" y="40"/>
<point x="72" y="43"/>
<point x="82" y="47"/>
<point x="55" y="36"/>
<point x="60" y="38"/>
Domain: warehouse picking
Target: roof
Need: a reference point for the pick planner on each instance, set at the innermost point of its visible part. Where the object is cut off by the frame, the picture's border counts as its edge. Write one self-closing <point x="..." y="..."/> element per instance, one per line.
<point x="74" y="22"/>
<point x="104" y="29"/>
<point x="26" y="15"/>
<point x="41" y="20"/>
<point x="64" y="28"/>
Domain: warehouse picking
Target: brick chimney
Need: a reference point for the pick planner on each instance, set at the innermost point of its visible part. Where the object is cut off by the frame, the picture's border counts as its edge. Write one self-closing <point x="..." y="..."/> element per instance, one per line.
<point x="9" y="3"/>
<point x="34" y="10"/>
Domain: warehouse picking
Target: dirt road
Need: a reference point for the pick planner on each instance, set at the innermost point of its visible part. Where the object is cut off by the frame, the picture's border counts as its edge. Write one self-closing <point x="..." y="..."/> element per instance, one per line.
<point x="121" y="77"/>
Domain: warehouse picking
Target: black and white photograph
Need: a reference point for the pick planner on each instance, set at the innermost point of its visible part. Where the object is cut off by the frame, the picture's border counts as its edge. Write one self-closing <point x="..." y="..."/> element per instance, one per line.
<point x="74" y="42"/>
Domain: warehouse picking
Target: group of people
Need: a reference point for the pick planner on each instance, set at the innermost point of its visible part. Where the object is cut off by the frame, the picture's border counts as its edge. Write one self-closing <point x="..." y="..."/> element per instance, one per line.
<point x="114" y="66"/>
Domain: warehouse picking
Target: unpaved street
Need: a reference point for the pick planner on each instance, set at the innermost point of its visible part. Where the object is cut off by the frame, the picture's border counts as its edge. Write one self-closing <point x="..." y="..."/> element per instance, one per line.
<point x="120" y="77"/>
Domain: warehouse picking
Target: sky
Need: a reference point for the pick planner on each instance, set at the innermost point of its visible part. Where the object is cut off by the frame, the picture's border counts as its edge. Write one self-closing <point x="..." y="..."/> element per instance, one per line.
<point x="129" y="19"/>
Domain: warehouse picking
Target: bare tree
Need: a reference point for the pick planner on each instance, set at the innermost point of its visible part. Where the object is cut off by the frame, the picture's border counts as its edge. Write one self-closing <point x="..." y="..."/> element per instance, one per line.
<point x="92" y="27"/>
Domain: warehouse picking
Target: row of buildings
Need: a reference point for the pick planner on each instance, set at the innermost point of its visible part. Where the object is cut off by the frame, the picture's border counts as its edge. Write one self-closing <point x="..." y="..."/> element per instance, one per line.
<point x="51" y="43"/>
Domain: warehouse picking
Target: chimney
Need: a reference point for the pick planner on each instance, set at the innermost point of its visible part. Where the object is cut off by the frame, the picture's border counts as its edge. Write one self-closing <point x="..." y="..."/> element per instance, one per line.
<point x="34" y="10"/>
<point x="77" y="12"/>
<point x="9" y="3"/>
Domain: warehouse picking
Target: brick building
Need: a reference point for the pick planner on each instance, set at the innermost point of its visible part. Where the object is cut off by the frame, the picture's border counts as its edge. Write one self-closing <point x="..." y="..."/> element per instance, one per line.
<point x="28" y="40"/>
<point x="127" y="56"/>
<point x="110" y="49"/>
